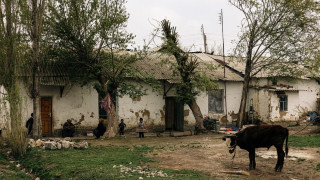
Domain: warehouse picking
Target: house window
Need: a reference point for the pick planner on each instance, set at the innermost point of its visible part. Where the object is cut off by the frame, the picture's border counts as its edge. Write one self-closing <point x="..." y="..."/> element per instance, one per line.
<point x="102" y="113"/>
<point x="216" y="101"/>
<point x="283" y="102"/>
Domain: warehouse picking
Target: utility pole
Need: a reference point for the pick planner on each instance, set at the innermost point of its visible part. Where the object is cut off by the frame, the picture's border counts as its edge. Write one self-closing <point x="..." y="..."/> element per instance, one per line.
<point x="224" y="65"/>
<point x="204" y="39"/>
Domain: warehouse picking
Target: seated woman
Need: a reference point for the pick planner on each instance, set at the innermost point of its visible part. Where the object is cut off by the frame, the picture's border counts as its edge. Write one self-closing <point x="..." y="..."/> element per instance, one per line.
<point x="100" y="130"/>
<point x="68" y="129"/>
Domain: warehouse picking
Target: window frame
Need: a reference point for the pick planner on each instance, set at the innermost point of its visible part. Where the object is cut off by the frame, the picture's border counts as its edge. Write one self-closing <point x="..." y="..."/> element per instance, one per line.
<point x="283" y="103"/>
<point x="212" y="96"/>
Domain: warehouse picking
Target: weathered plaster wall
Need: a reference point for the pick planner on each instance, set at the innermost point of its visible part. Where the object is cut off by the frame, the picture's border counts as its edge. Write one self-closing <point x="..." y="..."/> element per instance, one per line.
<point x="151" y="107"/>
<point x="266" y="103"/>
<point x="4" y="110"/>
<point x="308" y="97"/>
<point x="77" y="103"/>
<point x="293" y="103"/>
<point x="260" y="98"/>
<point x="234" y="93"/>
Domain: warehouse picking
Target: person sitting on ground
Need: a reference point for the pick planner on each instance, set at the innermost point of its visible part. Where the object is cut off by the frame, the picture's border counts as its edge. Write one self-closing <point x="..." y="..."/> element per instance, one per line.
<point x="29" y="124"/>
<point x="68" y="129"/>
<point x="122" y="125"/>
<point x="100" y="130"/>
<point x="141" y="128"/>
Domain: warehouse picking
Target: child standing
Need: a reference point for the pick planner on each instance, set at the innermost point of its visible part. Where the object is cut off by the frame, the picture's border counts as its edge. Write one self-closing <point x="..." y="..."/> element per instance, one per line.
<point x="122" y="125"/>
<point x="141" y="128"/>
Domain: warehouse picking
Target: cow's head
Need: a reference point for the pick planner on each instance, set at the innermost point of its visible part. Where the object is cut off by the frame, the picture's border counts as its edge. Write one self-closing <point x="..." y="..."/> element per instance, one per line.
<point x="233" y="142"/>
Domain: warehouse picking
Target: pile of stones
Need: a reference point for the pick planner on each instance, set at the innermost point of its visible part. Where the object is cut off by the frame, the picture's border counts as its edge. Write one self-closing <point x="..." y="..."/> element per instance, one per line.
<point x="145" y="171"/>
<point x="57" y="144"/>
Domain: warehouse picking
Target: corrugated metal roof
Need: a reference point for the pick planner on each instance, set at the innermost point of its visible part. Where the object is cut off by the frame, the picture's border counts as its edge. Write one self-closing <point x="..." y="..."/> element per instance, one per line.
<point x="218" y="72"/>
<point x="49" y="73"/>
<point x="239" y="64"/>
<point x="153" y="65"/>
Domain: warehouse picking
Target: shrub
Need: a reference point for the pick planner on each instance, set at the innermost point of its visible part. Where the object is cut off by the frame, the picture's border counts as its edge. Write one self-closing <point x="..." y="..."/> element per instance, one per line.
<point x="17" y="141"/>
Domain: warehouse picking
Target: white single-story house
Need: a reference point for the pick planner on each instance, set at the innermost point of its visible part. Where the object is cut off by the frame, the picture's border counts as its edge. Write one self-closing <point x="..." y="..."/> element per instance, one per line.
<point x="267" y="101"/>
<point x="283" y="99"/>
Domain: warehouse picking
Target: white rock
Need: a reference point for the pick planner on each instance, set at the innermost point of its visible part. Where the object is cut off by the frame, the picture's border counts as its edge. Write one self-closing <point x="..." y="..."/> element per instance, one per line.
<point x="18" y="165"/>
<point x="32" y="143"/>
<point x="83" y="145"/>
<point x="140" y="177"/>
<point x="65" y="144"/>
<point x="50" y="145"/>
<point x="59" y="146"/>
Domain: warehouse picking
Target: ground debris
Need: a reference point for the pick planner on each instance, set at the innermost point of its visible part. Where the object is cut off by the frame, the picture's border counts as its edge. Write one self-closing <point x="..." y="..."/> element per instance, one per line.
<point x="146" y="171"/>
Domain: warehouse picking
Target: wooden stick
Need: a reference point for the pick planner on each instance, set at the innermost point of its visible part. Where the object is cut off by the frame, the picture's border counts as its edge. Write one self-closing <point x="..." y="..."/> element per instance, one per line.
<point x="237" y="172"/>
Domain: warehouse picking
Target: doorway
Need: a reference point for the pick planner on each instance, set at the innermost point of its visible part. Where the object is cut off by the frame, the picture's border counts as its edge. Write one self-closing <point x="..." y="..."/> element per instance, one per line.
<point x="174" y="114"/>
<point x="46" y="115"/>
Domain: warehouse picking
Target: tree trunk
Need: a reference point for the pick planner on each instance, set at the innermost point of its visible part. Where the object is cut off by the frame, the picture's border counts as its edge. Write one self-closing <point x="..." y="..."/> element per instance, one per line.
<point x="36" y="19"/>
<point x="113" y="119"/>
<point x="112" y="124"/>
<point x="243" y="103"/>
<point x="247" y="78"/>
<point x="197" y="115"/>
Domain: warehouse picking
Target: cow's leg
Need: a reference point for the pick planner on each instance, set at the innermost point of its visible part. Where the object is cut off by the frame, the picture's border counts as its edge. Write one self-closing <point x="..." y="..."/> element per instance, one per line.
<point x="280" y="161"/>
<point x="252" y="164"/>
<point x="254" y="159"/>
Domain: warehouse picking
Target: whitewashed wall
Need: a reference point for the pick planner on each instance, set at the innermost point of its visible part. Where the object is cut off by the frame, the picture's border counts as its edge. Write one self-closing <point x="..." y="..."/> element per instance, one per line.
<point x="4" y="110"/>
<point x="266" y="103"/>
<point x="293" y="103"/>
<point x="150" y="107"/>
<point x="234" y="93"/>
<point x="79" y="103"/>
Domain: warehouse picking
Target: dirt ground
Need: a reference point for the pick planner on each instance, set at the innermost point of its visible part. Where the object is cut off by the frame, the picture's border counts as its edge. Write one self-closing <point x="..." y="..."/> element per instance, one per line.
<point x="209" y="154"/>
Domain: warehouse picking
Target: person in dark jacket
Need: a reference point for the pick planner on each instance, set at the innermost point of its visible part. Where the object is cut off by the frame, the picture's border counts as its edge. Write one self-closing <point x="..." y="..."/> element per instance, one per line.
<point x="100" y="130"/>
<point x="29" y="124"/>
<point x="122" y="125"/>
<point x="68" y="129"/>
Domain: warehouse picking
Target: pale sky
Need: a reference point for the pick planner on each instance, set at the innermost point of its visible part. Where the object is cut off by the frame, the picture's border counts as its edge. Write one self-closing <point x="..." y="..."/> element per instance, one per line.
<point x="187" y="16"/>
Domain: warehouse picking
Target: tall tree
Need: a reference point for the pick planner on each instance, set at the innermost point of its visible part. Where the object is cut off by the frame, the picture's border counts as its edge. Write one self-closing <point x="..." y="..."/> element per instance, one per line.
<point x="192" y="80"/>
<point x="9" y="62"/>
<point x="32" y="18"/>
<point x="275" y="36"/>
<point x="90" y="38"/>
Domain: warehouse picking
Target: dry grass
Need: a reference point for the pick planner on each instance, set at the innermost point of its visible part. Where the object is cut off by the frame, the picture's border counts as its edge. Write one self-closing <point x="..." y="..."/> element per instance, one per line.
<point x="17" y="141"/>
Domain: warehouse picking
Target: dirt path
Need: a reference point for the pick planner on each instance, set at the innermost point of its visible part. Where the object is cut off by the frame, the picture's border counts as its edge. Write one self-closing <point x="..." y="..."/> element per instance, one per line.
<point x="209" y="154"/>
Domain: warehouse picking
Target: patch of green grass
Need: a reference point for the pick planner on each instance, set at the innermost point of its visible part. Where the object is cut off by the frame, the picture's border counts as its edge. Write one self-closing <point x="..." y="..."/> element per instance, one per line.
<point x="318" y="167"/>
<point x="304" y="141"/>
<point x="94" y="163"/>
<point x="301" y="159"/>
<point x="10" y="171"/>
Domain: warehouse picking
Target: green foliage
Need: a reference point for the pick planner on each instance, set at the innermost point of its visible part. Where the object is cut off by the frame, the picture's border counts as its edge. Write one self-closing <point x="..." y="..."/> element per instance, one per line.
<point x="90" y="39"/>
<point x="303" y="141"/>
<point x="277" y="35"/>
<point x="187" y="67"/>
<point x="318" y="167"/>
<point x="94" y="163"/>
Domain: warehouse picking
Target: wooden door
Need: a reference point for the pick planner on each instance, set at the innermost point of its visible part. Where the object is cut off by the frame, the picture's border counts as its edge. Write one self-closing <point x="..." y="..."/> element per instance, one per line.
<point x="179" y="116"/>
<point x="170" y="103"/>
<point x="46" y="116"/>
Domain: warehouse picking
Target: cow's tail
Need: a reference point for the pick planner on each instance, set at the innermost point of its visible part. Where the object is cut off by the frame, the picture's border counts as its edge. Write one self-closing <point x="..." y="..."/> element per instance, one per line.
<point x="287" y="137"/>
